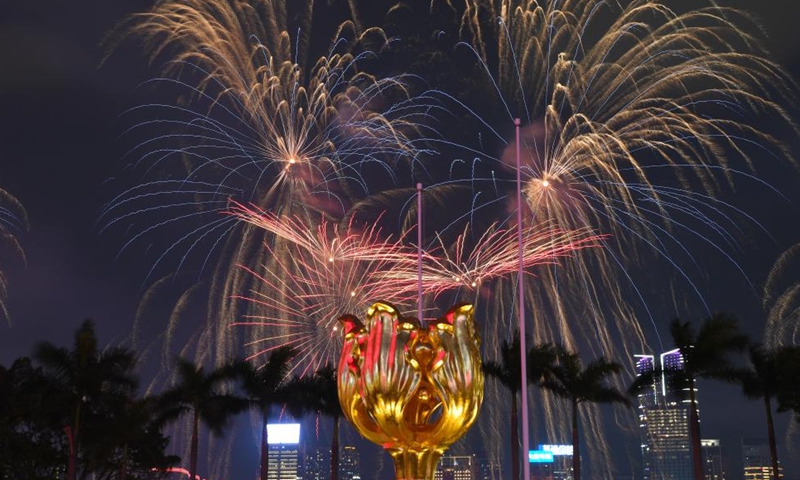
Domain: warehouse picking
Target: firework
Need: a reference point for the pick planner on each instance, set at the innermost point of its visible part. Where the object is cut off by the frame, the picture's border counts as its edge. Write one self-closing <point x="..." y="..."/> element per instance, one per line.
<point x="13" y="221"/>
<point x="315" y="276"/>
<point x="495" y="255"/>
<point x="635" y="118"/>
<point x="617" y="102"/>
<point x="259" y="120"/>
<point x="265" y="114"/>
<point x="312" y="276"/>
<point x="781" y="299"/>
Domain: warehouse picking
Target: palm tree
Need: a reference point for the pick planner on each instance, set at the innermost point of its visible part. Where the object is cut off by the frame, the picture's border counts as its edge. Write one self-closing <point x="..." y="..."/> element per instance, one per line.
<point x="706" y="354"/>
<point x="507" y="371"/>
<point x="266" y="387"/>
<point x="128" y="439"/>
<point x="202" y="394"/>
<point x="767" y="379"/>
<point x="319" y="393"/>
<point x="567" y="379"/>
<point x="87" y="378"/>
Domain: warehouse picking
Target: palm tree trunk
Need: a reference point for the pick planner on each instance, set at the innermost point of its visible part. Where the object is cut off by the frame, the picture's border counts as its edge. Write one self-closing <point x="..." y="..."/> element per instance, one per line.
<point x="123" y="468"/>
<point x="72" y="459"/>
<point x="335" y="450"/>
<point x="72" y="436"/>
<point x="264" y="449"/>
<point x="72" y="470"/>
<point x="773" y="448"/>
<point x="694" y="434"/>
<point x="576" y="444"/>
<point x="193" y="448"/>
<point x="514" y="439"/>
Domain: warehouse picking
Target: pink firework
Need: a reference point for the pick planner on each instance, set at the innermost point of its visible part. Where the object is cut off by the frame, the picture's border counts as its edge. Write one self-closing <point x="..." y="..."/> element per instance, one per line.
<point x="314" y="275"/>
<point x="495" y="255"/>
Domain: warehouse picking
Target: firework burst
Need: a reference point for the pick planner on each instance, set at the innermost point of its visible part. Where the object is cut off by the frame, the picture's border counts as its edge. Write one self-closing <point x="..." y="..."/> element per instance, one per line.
<point x="635" y="117"/>
<point x="781" y="300"/>
<point x="265" y="114"/>
<point x="258" y="121"/>
<point x="13" y="222"/>
<point x="314" y="277"/>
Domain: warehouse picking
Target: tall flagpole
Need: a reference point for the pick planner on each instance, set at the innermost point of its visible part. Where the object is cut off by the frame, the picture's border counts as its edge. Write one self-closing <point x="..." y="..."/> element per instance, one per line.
<point x="526" y="467"/>
<point x="419" y="252"/>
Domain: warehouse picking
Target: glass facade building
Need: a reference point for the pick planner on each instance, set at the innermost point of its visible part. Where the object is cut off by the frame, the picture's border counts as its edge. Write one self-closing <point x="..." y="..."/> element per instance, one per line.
<point x="757" y="460"/>
<point x="284" y="453"/>
<point x="349" y="468"/>
<point x="452" y="467"/>
<point x="663" y="423"/>
<point x="713" y="459"/>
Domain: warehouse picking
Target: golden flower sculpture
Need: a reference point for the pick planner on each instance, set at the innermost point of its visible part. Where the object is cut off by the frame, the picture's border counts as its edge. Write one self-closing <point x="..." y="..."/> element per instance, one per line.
<point x="411" y="389"/>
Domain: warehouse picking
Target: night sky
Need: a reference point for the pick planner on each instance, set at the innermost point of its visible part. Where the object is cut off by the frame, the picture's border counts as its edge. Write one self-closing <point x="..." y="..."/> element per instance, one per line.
<point x="60" y="151"/>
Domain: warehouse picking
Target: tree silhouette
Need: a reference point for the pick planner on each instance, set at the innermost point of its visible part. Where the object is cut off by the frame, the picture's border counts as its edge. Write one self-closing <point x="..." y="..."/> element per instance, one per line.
<point x="507" y="371"/>
<point x="567" y="379"/>
<point x="31" y="423"/>
<point x="319" y="393"/>
<point x="87" y="377"/>
<point x="266" y="387"/>
<point x="202" y="394"/>
<point x="767" y="379"/>
<point x="706" y="354"/>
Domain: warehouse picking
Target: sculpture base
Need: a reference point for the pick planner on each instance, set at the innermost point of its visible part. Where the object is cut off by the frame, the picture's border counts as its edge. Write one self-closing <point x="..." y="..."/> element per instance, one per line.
<point x="412" y="465"/>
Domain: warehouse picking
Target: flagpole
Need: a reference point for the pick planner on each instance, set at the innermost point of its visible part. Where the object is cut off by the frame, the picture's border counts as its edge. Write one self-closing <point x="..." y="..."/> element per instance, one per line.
<point x="526" y="467"/>
<point x="419" y="252"/>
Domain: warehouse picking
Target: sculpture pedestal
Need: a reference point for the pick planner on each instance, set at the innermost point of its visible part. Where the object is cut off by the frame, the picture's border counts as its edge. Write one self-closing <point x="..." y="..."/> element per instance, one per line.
<point x="411" y="465"/>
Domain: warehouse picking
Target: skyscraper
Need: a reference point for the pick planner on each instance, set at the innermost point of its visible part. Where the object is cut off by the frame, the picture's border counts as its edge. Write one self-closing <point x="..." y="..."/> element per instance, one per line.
<point x="452" y="467"/>
<point x="757" y="460"/>
<point x="562" y="460"/>
<point x="284" y="442"/>
<point x="489" y="469"/>
<point x="713" y="459"/>
<point x="664" y="423"/>
<point x="349" y="468"/>
<point x="317" y="463"/>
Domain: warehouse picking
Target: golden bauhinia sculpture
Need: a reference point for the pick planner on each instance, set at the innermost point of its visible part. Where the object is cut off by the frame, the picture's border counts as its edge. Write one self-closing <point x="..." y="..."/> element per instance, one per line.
<point x="412" y="389"/>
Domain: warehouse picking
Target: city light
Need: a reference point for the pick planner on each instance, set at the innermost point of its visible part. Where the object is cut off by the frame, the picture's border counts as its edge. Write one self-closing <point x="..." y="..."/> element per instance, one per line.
<point x="283" y="433"/>
<point x="540" y="456"/>
<point x="557" y="449"/>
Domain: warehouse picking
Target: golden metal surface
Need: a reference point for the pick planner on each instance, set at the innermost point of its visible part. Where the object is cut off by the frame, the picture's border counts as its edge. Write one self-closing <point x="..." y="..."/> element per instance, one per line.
<point x="412" y="389"/>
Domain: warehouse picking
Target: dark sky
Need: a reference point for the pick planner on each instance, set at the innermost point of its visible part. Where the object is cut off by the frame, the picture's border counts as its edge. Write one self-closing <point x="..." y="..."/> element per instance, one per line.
<point x="60" y="146"/>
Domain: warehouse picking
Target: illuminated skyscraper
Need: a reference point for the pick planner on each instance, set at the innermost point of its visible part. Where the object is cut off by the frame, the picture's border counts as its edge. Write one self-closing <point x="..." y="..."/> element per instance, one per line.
<point x="562" y="460"/>
<point x="713" y="459"/>
<point x="349" y="468"/>
<point x="456" y="468"/>
<point x="489" y="469"/>
<point x="284" y="441"/>
<point x="757" y="460"/>
<point x="664" y="423"/>
<point x="317" y="464"/>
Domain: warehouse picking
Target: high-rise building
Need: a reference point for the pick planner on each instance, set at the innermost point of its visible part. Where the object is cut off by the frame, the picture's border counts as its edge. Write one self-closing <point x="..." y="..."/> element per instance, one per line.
<point x="489" y="469"/>
<point x="317" y="463"/>
<point x="453" y="467"/>
<point x="664" y="423"/>
<point x="284" y="443"/>
<point x="562" y="460"/>
<point x="713" y="459"/>
<point x="757" y="460"/>
<point x="349" y="468"/>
